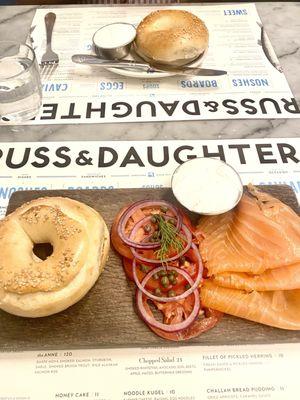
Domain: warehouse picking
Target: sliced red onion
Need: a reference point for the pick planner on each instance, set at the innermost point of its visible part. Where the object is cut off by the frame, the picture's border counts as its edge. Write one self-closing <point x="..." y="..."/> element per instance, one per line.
<point x="172" y="327"/>
<point x="143" y="245"/>
<point x="188" y="237"/>
<point x="194" y="284"/>
<point x="143" y="204"/>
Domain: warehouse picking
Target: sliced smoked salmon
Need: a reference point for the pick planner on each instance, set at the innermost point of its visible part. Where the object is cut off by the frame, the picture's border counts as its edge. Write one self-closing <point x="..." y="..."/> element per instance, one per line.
<point x="276" y="308"/>
<point x="282" y="278"/>
<point x="261" y="233"/>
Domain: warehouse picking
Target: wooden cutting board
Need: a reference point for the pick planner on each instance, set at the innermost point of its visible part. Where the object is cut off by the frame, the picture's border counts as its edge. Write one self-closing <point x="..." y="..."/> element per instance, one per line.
<point x="106" y="316"/>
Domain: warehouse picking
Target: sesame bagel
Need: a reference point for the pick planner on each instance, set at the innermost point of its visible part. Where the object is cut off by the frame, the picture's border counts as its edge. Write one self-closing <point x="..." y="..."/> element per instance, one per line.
<point x="171" y="37"/>
<point x="34" y="287"/>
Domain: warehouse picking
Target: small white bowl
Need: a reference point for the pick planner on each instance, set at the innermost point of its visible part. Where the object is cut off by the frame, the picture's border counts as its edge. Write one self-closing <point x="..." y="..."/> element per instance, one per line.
<point x="113" y="41"/>
<point x="207" y="186"/>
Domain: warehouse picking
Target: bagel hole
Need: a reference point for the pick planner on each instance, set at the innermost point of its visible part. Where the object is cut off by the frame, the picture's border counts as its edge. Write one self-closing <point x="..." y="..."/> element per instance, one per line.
<point x="42" y="250"/>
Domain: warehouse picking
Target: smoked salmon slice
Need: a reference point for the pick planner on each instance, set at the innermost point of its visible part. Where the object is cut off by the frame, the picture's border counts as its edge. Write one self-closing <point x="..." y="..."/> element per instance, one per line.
<point x="260" y="234"/>
<point x="279" y="308"/>
<point x="282" y="278"/>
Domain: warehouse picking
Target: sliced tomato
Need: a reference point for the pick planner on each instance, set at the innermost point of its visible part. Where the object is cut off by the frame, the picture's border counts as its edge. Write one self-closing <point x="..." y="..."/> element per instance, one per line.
<point x="151" y="254"/>
<point x="190" y="265"/>
<point x="186" y="220"/>
<point x="127" y="265"/>
<point x="176" y="312"/>
<point x="173" y="312"/>
<point x="152" y="284"/>
<point x="137" y="216"/>
<point x="200" y="325"/>
<point x="117" y="242"/>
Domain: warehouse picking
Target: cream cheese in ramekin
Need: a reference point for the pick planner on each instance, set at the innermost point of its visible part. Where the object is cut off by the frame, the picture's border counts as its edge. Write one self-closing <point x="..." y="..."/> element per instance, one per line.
<point x="207" y="186"/>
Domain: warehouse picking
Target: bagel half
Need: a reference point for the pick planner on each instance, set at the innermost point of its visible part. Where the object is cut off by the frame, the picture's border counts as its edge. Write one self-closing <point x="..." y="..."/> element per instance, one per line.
<point x="171" y="37"/>
<point x="32" y="287"/>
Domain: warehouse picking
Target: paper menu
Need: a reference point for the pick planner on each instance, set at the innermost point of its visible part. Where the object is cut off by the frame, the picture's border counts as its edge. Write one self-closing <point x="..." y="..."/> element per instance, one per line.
<point x="177" y="373"/>
<point x="255" y="87"/>
<point x="146" y="164"/>
<point x="267" y="371"/>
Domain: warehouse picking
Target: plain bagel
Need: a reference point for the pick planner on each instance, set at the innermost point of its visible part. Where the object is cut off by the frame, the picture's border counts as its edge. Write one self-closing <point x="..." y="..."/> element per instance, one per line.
<point x="171" y="37"/>
<point x="33" y="287"/>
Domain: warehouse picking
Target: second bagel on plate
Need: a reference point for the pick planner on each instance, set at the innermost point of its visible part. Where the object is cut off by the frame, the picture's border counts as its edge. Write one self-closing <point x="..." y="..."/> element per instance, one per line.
<point x="171" y="37"/>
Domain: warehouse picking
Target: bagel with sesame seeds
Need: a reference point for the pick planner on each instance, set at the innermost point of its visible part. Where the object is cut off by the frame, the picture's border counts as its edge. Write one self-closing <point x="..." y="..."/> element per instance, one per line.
<point x="171" y="37"/>
<point x="33" y="285"/>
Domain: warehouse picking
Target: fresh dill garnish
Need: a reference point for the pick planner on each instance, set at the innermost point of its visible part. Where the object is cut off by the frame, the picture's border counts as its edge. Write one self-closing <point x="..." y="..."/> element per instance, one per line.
<point x="169" y="238"/>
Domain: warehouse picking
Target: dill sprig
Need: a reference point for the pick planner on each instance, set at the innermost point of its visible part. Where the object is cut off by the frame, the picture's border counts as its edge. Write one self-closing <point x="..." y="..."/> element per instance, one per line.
<point x="169" y="238"/>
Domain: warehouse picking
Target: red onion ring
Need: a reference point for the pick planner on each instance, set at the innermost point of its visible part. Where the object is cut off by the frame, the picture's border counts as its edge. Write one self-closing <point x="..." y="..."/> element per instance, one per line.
<point x="143" y="204"/>
<point x="189" y="238"/>
<point x="143" y="245"/>
<point x="173" y="327"/>
<point x="194" y="284"/>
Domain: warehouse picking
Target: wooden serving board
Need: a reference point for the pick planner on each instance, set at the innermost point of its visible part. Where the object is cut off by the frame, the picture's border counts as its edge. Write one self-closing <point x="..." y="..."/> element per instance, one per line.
<point x="106" y="316"/>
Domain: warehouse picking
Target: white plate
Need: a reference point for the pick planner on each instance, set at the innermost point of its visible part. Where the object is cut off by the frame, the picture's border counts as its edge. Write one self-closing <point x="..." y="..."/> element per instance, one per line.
<point x="149" y="75"/>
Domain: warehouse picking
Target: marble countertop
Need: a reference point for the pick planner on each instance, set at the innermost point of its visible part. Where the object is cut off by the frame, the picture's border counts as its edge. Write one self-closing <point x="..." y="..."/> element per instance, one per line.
<point x="282" y="22"/>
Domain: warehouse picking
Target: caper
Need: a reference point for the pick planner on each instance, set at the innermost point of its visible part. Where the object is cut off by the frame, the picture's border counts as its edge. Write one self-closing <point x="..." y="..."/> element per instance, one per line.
<point x="162" y="273"/>
<point x="163" y="209"/>
<point x="173" y="280"/>
<point x="155" y="276"/>
<point x="165" y="281"/>
<point x="171" y="293"/>
<point x="172" y="221"/>
<point x="153" y="219"/>
<point x="187" y="286"/>
<point x="147" y="228"/>
<point x="157" y="292"/>
<point x="144" y="268"/>
<point x="175" y="273"/>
